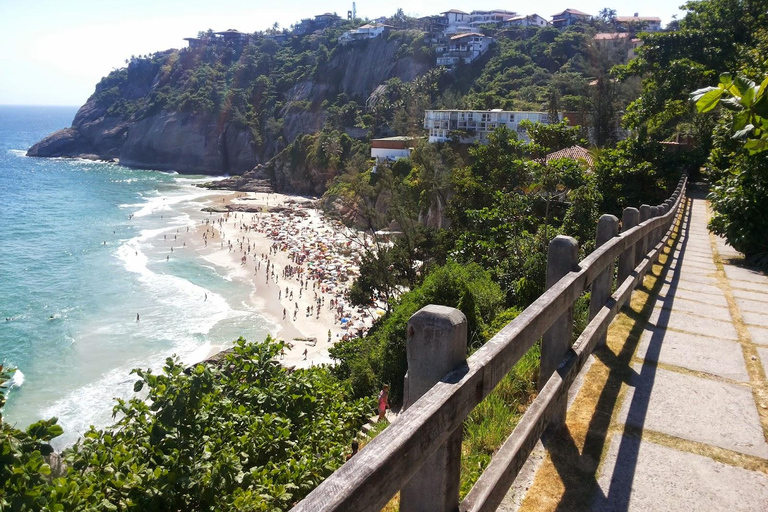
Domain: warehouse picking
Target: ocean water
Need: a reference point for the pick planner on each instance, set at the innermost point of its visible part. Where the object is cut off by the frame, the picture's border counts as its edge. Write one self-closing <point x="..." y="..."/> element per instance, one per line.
<point x="76" y="269"/>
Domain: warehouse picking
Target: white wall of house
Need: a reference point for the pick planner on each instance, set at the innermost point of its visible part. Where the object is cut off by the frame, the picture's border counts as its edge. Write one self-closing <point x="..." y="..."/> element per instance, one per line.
<point x="389" y="153"/>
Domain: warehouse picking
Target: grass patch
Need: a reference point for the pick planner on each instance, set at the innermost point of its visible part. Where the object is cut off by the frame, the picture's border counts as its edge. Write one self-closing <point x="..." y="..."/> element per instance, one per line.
<point x="491" y="422"/>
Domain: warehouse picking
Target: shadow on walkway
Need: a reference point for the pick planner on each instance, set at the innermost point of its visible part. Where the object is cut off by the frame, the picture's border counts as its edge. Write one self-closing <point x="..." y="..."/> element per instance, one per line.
<point x="577" y="469"/>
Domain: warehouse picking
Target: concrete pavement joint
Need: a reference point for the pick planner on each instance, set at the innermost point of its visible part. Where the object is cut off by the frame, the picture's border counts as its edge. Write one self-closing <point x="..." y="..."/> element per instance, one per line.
<point x="729" y="457"/>
<point x="752" y="361"/>
<point x="688" y="371"/>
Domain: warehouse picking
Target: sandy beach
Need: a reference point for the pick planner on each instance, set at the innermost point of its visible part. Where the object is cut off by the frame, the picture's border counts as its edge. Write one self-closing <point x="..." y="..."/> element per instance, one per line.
<point x="299" y="263"/>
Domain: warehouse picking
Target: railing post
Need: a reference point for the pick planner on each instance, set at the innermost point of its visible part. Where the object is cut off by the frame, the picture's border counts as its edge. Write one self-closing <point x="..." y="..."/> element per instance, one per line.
<point x="654" y="239"/>
<point x="629" y="219"/>
<point x="437" y="345"/>
<point x="562" y="257"/>
<point x="641" y="248"/>
<point x="607" y="228"/>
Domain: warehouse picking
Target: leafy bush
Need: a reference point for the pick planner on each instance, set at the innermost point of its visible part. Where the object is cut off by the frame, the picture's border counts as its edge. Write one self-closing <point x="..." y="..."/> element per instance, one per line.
<point x="468" y="288"/>
<point x="248" y="435"/>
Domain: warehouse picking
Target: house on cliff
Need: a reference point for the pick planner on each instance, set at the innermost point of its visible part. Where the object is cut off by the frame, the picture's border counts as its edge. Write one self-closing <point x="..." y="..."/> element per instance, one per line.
<point x="234" y="37"/>
<point x="457" y="22"/>
<point x="319" y="22"/>
<point x="367" y="31"/>
<point x="569" y="17"/>
<point x="531" y="20"/>
<point x="462" y="47"/>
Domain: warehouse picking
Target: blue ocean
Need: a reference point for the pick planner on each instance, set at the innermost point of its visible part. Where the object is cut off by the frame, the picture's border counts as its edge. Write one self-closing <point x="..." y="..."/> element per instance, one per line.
<point x="85" y="247"/>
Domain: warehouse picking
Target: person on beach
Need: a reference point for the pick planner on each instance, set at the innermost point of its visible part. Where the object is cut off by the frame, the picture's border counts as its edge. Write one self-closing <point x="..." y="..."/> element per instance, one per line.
<point x="137" y="317"/>
<point x="383" y="402"/>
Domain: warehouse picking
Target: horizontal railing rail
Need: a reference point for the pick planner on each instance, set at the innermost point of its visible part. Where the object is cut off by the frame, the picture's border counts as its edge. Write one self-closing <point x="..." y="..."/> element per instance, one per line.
<point x="429" y="429"/>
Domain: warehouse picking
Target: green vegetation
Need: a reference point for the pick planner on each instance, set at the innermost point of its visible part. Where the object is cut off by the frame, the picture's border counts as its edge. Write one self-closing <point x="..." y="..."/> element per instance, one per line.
<point x="472" y="226"/>
<point x="716" y="37"/>
<point x="245" y="435"/>
<point x="740" y="195"/>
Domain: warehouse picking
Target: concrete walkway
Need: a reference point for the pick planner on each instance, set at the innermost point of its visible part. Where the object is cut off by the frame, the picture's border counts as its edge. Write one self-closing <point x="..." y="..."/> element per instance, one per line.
<point x="673" y="415"/>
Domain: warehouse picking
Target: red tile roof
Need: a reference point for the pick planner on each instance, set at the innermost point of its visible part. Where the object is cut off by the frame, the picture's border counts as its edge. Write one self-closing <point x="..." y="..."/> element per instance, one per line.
<point x="575" y="152"/>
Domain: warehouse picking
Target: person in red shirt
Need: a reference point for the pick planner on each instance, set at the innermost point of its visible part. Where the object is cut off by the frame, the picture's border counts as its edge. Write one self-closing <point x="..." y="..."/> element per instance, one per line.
<point x="383" y="401"/>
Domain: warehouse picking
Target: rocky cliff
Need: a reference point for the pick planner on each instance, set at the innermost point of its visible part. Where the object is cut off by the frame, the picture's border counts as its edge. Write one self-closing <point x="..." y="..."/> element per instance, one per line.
<point x="179" y="111"/>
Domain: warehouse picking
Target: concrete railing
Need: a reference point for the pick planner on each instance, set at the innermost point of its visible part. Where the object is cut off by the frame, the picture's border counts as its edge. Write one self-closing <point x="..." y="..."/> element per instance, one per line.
<point x="420" y="453"/>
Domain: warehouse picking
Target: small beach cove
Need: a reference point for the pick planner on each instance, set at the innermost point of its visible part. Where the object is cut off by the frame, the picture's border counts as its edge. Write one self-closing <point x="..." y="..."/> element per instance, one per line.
<point x="88" y="246"/>
<point x="299" y="264"/>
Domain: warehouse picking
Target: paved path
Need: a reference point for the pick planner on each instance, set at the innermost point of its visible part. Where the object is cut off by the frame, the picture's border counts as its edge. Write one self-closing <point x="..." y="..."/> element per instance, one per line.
<point x="679" y="420"/>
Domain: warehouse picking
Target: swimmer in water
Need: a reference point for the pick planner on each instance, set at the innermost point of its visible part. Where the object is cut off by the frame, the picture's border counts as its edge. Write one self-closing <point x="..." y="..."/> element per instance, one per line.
<point x="137" y="317"/>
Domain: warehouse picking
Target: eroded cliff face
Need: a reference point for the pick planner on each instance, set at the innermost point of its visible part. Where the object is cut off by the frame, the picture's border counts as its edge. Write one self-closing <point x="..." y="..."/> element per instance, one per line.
<point x="215" y="143"/>
<point x="183" y="142"/>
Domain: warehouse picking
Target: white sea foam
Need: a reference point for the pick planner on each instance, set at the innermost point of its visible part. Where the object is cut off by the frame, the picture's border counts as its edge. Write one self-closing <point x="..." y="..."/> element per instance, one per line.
<point x="17" y="379"/>
<point x="176" y="317"/>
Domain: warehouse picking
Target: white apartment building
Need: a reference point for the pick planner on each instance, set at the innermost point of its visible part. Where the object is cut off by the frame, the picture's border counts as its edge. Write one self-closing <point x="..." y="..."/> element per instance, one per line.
<point x="496" y="17"/>
<point x="475" y="125"/>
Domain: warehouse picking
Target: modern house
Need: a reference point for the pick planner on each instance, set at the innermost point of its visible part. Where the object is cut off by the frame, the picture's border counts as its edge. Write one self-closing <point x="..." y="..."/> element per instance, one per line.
<point x="392" y="148"/>
<point x="433" y="25"/>
<point x="195" y="42"/>
<point x="367" y="31"/>
<point x="495" y="17"/>
<point x="462" y="47"/>
<point x="319" y="22"/>
<point x="568" y="17"/>
<point x="531" y="20"/>
<point x="326" y="20"/>
<point x="234" y="37"/>
<point x="638" y="23"/>
<point x="475" y="125"/>
<point x="458" y="21"/>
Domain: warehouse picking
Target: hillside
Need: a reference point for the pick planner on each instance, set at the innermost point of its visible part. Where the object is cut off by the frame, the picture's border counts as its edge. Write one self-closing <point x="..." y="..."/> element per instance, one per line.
<point x="219" y="108"/>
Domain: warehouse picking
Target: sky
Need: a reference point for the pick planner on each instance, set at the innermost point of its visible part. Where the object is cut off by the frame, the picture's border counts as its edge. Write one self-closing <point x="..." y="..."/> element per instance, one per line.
<point x="53" y="52"/>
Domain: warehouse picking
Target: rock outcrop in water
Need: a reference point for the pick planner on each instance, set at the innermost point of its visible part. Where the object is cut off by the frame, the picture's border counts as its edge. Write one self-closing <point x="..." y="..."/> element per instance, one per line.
<point x="179" y="110"/>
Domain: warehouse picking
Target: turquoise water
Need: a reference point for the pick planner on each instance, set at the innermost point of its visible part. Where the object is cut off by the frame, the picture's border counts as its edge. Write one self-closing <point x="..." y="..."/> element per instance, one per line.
<point x="75" y="271"/>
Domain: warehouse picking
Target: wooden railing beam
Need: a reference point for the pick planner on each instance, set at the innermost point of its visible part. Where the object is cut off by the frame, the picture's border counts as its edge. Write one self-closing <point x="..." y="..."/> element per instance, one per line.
<point x="371" y="478"/>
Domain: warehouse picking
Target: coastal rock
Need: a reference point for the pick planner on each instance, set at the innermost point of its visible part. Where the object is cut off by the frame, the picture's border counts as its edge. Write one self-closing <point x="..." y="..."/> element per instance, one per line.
<point x="147" y="116"/>
<point x="67" y="142"/>
<point x="254" y="180"/>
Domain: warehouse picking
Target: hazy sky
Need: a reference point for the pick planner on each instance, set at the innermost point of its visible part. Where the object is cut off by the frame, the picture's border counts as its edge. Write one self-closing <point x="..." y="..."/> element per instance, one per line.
<point x="53" y="52"/>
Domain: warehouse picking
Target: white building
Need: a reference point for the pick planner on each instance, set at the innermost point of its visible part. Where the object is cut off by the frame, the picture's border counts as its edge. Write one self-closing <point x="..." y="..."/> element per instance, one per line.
<point x="368" y="31"/>
<point x="457" y="22"/>
<point x="495" y="17"/>
<point x="392" y="148"/>
<point x="465" y="47"/>
<point x="475" y="125"/>
<point x="532" y="20"/>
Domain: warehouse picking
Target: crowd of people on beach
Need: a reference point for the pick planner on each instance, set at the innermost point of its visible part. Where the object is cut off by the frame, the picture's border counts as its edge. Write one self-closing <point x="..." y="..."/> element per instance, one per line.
<point x="322" y="261"/>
